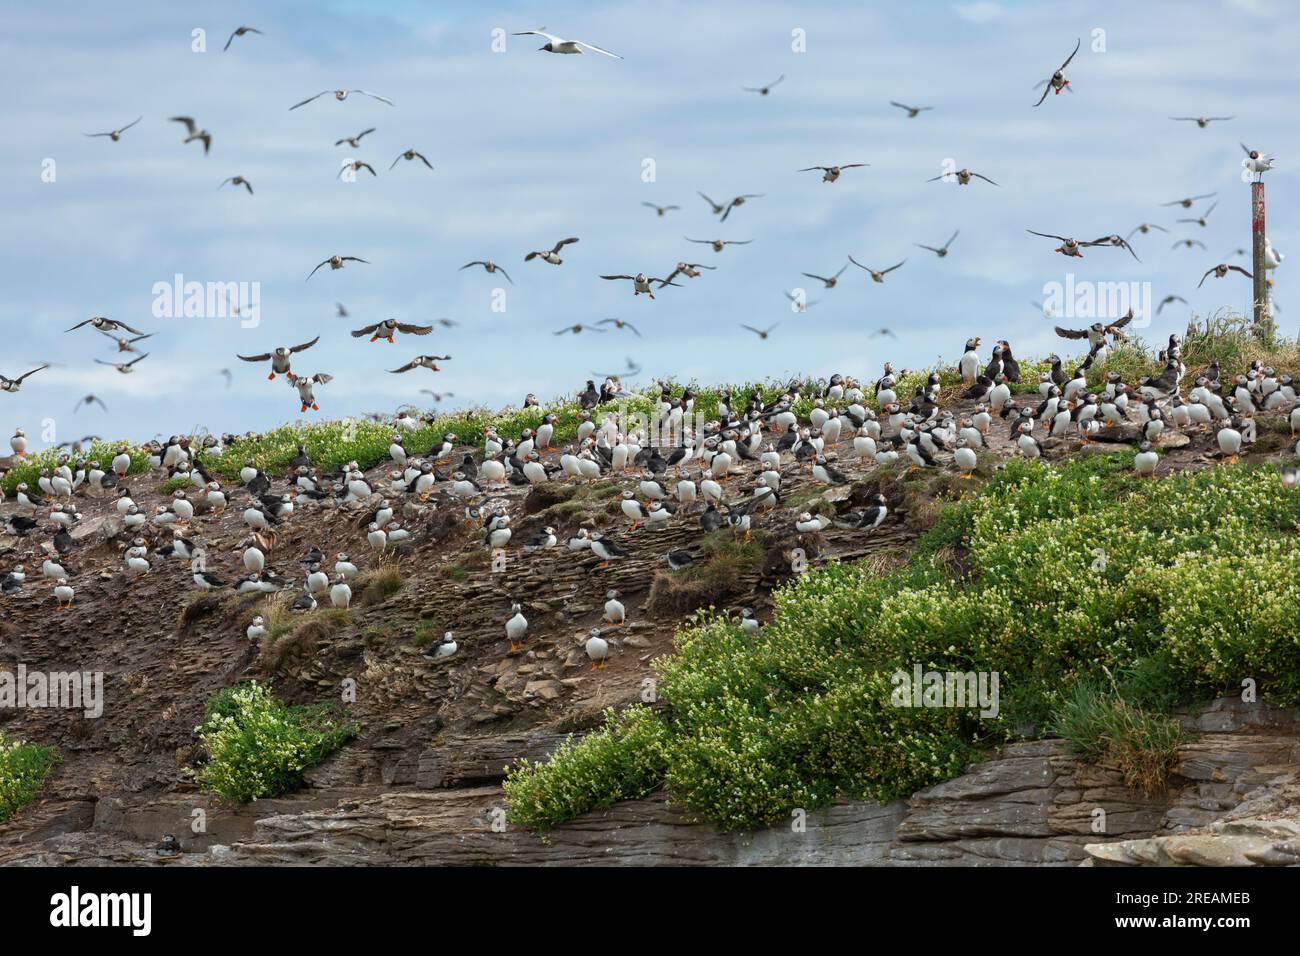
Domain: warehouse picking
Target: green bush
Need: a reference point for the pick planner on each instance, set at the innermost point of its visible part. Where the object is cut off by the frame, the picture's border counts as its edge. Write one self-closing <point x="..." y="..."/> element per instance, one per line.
<point x="257" y="746"/>
<point x="621" y="761"/>
<point x="23" y="768"/>
<point x="1182" y="587"/>
<point x="1142" y="745"/>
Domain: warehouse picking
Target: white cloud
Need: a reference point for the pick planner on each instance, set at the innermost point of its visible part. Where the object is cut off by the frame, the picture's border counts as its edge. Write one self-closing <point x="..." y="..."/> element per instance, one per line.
<point x="981" y="11"/>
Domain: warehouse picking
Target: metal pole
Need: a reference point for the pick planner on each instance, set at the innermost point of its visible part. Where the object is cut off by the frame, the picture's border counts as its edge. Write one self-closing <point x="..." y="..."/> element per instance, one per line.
<point x="1261" y="316"/>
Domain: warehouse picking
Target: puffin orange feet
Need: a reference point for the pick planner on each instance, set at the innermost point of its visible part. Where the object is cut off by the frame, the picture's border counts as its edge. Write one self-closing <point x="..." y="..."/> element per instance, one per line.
<point x="270" y="377"/>
<point x="315" y="407"/>
<point x="374" y="338"/>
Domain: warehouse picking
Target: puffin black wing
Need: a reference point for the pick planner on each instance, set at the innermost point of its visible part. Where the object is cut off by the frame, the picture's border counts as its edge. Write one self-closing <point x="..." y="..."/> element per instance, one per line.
<point x="1071" y="333"/>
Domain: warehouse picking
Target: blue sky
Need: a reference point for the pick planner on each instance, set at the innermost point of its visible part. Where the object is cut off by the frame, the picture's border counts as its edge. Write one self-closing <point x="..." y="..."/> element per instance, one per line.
<point x="530" y="147"/>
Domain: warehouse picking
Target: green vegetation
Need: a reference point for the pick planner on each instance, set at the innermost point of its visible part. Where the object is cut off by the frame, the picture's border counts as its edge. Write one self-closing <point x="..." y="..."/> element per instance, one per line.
<point x="182" y="483"/>
<point x="1144" y="746"/>
<point x="375" y="585"/>
<point x="257" y="746"/>
<point x="719" y="572"/>
<point x="23" y="769"/>
<point x="101" y="451"/>
<point x="1184" y="587"/>
<point x="620" y="761"/>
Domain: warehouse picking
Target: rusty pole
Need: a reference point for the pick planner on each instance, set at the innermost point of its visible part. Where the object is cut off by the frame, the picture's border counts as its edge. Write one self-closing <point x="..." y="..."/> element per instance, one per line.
<point x="1261" y="316"/>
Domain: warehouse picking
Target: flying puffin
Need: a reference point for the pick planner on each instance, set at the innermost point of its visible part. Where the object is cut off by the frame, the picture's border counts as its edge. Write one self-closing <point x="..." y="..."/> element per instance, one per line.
<point x="306" y="388"/>
<point x="105" y="325"/>
<point x="388" y="328"/>
<point x="1057" y="81"/>
<point x="420" y="361"/>
<point x="279" y="358"/>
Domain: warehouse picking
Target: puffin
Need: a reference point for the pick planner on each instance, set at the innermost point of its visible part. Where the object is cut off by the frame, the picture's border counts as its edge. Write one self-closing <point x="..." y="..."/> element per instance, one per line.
<point x="597" y="649"/>
<point x="280" y="358"/>
<point x="1145" y="461"/>
<point x="306" y="388"/>
<point x="387" y="328"/>
<point x="1229" y="440"/>
<point x="1057" y="81"/>
<point x="63" y="594"/>
<point x="615" y="613"/>
<point x="605" y="549"/>
<point x="516" y="628"/>
<point x="1027" y="443"/>
<point x="341" y="593"/>
<point x="13" y="581"/>
<point x="445" y="648"/>
<point x="965" y="458"/>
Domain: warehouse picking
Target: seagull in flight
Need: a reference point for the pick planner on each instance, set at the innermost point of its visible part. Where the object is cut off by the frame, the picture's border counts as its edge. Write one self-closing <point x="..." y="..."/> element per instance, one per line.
<point x="556" y="44"/>
<point x="116" y="134"/>
<point x="342" y="95"/>
<point x="194" y="133"/>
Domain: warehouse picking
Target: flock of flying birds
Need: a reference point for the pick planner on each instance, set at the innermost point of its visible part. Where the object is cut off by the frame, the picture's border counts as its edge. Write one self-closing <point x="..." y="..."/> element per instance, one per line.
<point x="751" y="438"/>
<point x="643" y="283"/>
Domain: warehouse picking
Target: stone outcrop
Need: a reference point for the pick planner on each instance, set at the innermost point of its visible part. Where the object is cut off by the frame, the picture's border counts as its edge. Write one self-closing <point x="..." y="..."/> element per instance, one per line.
<point x="1234" y="800"/>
